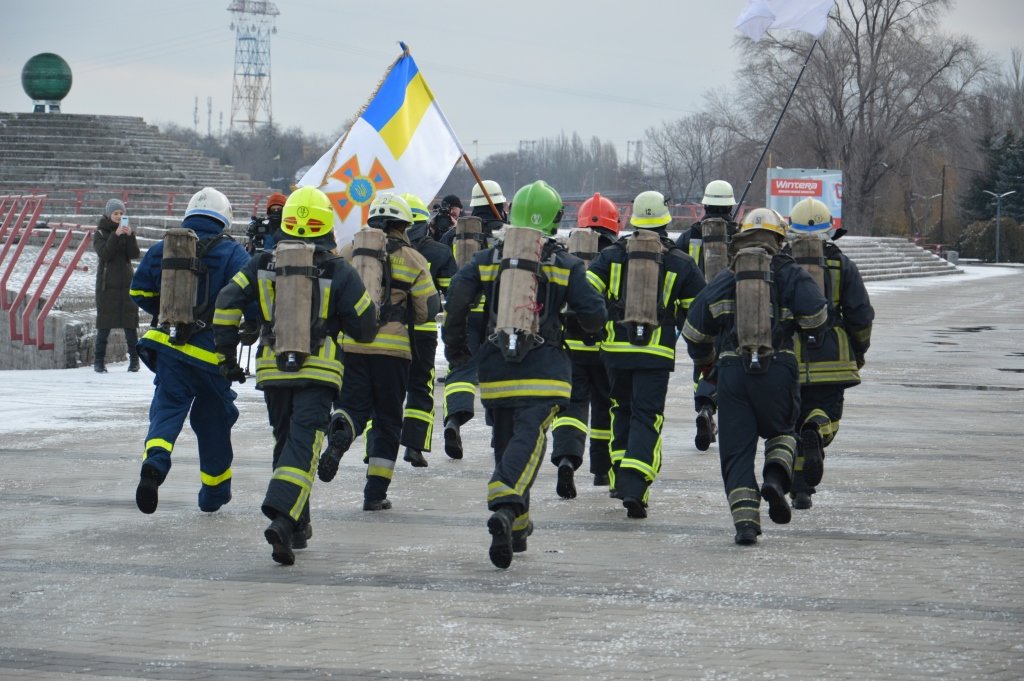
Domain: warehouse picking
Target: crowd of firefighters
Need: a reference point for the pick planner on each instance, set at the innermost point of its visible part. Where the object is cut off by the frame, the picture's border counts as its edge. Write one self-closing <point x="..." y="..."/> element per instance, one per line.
<point x="572" y="333"/>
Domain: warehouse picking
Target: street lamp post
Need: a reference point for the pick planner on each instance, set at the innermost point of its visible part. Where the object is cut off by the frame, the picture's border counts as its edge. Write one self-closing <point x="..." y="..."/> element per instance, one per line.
<point x="999" y="215"/>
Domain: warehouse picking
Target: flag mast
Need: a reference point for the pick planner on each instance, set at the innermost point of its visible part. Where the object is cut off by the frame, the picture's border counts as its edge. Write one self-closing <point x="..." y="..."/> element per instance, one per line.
<point x="739" y="204"/>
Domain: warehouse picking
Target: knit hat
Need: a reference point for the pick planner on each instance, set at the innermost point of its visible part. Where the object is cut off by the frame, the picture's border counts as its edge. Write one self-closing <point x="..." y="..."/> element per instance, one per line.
<point x="112" y="205"/>
<point x="277" y="199"/>
<point x="452" y="201"/>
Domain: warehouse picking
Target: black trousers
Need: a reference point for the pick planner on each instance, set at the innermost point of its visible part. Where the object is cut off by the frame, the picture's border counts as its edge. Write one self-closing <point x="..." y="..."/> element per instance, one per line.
<point x="638" y="414"/>
<point x="374" y="388"/>
<point x="131" y="339"/>
<point x="821" y="407"/>
<point x="460" y="384"/>
<point x="418" y="418"/>
<point x="299" y="418"/>
<point x="589" y="410"/>
<point x="753" y="406"/>
<point x="519" y="437"/>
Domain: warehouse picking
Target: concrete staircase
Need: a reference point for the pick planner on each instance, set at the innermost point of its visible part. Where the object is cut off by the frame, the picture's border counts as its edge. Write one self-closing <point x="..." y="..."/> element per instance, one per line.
<point x="80" y="161"/>
<point x="880" y="258"/>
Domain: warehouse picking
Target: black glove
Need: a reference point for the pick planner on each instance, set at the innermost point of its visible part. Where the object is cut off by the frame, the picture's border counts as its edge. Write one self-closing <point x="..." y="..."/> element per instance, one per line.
<point x="228" y="367"/>
<point x="592" y="339"/>
<point x="457" y="355"/>
<point x="248" y="332"/>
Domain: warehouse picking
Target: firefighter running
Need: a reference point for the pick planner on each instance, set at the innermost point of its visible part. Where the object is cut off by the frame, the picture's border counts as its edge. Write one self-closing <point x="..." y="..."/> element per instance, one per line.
<point x="743" y="323"/>
<point x="648" y="284"/>
<point x="524" y="371"/>
<point x="707" y="243"/>
<point x="178" y="288"/>
<point x="589" y="408"/>
<point x="306" y="295"/>
<point x="397" y="279"/>
<point x="418" y="417"/>
<point x="826" y="371"/>
<point x="471" y="234"/>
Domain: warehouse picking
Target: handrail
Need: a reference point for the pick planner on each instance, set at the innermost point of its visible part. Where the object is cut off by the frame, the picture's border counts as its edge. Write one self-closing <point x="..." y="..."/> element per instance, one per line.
<point x="55" y="294"/>
<point x="30" y="221"/>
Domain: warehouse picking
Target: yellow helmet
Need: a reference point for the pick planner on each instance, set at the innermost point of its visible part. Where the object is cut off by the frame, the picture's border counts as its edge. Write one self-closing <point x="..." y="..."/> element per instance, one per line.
<point x="811" y="216"/>
<point x="417" y="207"/>
<point x="650" y="210"/>
<point x="307" y="214"/>
<point x="764" y="219"/>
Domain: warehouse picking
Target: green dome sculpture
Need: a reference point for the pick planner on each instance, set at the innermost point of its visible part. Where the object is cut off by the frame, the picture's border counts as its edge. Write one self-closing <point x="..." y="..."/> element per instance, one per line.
<point x="46" y="78"/>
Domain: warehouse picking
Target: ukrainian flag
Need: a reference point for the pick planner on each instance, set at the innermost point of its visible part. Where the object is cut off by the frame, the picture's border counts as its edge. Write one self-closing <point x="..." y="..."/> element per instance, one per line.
<point x="400" y="142"/>
<point x="400" y="105"/>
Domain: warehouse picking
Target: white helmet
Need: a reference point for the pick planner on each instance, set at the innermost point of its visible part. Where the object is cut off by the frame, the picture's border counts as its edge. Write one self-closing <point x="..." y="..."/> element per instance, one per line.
<point x="650" y="210"/>
<point x="209" y="201"/>
<point x="477" y="198"/>
<point x="811" y="216"/>
<point x="718" y="193"/>
<point x="392" y="208"/>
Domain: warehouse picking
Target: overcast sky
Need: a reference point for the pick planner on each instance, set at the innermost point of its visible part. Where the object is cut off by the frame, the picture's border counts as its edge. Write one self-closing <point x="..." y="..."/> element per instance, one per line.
<point x="501" y="71"/>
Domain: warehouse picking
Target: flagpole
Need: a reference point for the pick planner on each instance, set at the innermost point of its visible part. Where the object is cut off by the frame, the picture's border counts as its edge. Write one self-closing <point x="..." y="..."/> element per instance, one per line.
<point x="764" y="151"/>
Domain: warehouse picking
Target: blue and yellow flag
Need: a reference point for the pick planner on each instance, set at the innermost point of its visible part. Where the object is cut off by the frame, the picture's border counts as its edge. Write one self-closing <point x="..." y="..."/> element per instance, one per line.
<point x="400" y="142"/>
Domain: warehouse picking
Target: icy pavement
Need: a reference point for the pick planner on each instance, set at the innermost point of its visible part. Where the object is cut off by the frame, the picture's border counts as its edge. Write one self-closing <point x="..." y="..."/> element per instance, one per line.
<point x="909" y="566"/>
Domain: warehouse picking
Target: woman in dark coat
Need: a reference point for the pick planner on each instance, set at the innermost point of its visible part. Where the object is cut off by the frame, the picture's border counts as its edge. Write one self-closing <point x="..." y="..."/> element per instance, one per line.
<point x="116" y="246"/>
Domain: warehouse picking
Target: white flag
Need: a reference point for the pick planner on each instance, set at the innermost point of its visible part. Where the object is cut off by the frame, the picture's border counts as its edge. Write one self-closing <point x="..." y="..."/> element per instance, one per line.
<point x="809" y="16"/>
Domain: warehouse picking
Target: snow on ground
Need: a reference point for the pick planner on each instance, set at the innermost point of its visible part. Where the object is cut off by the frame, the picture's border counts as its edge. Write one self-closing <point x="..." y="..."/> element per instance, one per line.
<point x="38" y="400"/>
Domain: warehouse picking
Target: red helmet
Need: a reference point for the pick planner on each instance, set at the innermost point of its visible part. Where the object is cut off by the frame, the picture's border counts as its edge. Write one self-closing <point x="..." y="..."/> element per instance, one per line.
<point x="597" y="211"/>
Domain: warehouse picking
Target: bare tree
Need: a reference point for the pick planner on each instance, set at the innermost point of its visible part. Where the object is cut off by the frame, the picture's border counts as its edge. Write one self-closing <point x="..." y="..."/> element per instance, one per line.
<point x="883" y="85"/>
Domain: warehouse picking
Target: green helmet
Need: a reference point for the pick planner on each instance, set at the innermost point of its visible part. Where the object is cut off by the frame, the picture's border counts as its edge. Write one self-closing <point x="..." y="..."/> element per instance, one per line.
<point x="537" y="206"/>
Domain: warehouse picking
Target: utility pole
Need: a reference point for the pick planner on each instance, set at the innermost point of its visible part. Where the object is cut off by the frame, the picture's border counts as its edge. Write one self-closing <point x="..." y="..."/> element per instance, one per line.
<point x="999" y="205"/>
<point x="942" y="204"/>
<point x="253" y="24"/>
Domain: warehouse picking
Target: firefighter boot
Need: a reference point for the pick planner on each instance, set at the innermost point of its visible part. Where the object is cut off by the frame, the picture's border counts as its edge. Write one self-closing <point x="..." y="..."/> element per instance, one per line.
<point x="280" y="535"/>
<point x="519" y="537"/>
<point x="802" y="501"/>
<point x="601" y="480"/>
<point x="415" y="457"/>
<point x="500" y="527"/>
<point x="339" y="438"/>
<point x="778" y="505"/>
<point x="452" y="438"/>
<point x="706" y="429"/>
<point x="146" y="496"/>
<point x="565" y="487"/>
<point x="133" y="362"/>
<point x="746" y="533"/>
<point x="810" y="447"/>
<point x="303" y="533"/>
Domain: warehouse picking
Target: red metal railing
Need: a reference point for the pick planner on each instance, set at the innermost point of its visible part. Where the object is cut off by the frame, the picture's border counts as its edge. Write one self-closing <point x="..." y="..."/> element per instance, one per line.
<point x="83" y="201"/>
<point x="12" y="232"/>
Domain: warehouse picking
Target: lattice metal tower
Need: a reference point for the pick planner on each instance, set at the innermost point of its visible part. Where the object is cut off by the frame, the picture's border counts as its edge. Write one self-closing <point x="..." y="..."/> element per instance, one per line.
<point x="253" y="23"/>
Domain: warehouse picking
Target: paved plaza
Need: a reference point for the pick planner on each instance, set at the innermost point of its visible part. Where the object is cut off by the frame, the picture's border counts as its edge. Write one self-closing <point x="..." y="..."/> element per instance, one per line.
<point x="909" y="566"/>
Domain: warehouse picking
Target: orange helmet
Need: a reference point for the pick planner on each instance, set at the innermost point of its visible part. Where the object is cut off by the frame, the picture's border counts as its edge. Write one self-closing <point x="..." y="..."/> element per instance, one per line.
<point x="597" y="211"/>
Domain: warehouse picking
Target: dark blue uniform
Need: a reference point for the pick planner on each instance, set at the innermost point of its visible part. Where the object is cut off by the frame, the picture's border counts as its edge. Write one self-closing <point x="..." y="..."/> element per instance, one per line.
<point x="826" y="371"/>
<point x="188" y="383"/>
<point x="640" y="373"/>
<point x="298" y="402"/>
<point x="753" y="405"/>
<point x="521" y="398"/>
